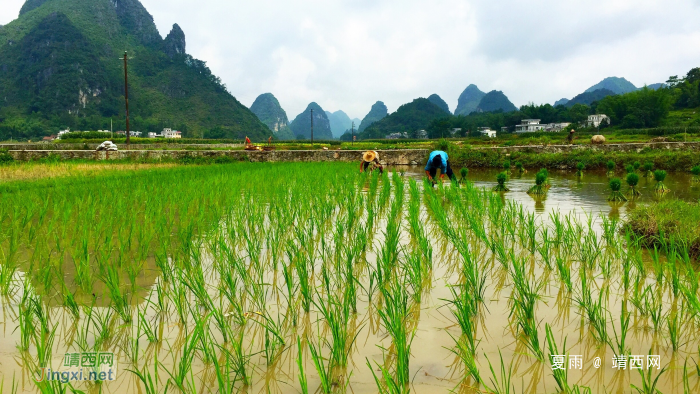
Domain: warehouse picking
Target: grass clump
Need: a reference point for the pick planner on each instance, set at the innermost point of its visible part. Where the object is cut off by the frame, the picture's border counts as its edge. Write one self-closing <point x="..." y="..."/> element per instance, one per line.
<point x="501" y="186"/>
<point x="616" y="196"/>
<point x="659" y="177"/>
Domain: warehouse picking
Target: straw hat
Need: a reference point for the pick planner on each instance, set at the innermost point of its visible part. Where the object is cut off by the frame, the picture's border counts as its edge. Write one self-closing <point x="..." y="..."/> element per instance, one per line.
<point x="370" y="156"/>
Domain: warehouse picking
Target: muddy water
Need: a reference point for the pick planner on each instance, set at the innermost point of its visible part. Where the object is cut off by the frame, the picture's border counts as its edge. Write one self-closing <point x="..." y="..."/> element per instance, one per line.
<point x="569" y="193"/>
<point x="434" y="368"/>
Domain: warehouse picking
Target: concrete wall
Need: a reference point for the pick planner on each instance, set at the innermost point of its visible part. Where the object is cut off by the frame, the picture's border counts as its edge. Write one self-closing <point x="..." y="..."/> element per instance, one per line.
<point x="387" y="157"/>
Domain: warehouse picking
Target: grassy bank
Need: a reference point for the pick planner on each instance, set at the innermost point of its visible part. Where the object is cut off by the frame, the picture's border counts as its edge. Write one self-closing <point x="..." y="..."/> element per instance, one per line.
<point x="662" y="159"/>
<point x="672" y="220"/>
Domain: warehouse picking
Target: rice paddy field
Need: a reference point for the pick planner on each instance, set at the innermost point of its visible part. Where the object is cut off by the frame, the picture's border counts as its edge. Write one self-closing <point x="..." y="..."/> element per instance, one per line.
<point x="312" y="278"/>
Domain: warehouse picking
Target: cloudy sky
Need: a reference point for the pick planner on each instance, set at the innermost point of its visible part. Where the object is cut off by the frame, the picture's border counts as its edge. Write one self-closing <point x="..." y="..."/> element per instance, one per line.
<point x="348" y="54"/>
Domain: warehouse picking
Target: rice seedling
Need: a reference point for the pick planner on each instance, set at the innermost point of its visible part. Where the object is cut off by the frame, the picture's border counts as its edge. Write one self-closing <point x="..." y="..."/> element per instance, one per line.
<point x="324" y="369"/>
<point x="519" y="167"/>
<point x="395" y="317"/>
<point x="659" y="177"/>
<point x="337" y="314"/>
<point x="620" y="348"/>
<point x="463" y="172"/>
<point x="615" y="186"/>
<point x="560" y="374"/>
<point x="300" y="364"/>
<point x="632" y="181"/>
<point x="611" y="168"/>
<point x="501" y="383"/>
<point x="579" y="169"/>
<point x="629" y="168"/>
<point x="648" y="168"/>
<point x="636" y="165"/>
<point x="501" y="186"/>
<point x="649" y="382"/>
<point x="540" y="188"/>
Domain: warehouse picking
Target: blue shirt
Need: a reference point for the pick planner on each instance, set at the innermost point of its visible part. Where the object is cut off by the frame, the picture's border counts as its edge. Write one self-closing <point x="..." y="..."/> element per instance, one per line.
<point x="443" y="157"/>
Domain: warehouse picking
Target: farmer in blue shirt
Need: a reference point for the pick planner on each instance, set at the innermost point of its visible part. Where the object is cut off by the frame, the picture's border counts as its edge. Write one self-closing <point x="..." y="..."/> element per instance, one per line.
<point x="438" y="159"/>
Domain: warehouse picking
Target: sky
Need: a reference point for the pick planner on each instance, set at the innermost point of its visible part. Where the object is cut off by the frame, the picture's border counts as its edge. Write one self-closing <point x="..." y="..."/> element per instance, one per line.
<point x="346" y="55"/>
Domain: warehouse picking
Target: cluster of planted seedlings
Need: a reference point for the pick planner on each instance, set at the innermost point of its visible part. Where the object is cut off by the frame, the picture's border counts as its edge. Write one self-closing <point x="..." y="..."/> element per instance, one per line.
<point x="320" y="279"/>
<point x="541" y="183"/>
<point x="696" y="173"/>
<point x="632" y="180"/>
<point x="615" y="193"/>
<point x="501" y="183"/>
<point x="660" y="177"/>
<point x="579" y="169"/>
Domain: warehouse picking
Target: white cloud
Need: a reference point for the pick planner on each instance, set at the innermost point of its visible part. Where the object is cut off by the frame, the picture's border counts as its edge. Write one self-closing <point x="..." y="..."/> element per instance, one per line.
<point x="348" y="54"/>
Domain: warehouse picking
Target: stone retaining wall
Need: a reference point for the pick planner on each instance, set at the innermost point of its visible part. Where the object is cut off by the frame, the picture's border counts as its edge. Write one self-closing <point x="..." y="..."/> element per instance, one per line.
<point x="83" y="146"/>
<point x="634" y="147"/>
<point x="387" y="157"/>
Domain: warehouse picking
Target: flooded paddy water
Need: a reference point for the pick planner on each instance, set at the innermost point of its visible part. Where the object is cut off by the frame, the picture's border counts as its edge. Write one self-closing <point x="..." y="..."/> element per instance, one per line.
<point x="223" y="276"/>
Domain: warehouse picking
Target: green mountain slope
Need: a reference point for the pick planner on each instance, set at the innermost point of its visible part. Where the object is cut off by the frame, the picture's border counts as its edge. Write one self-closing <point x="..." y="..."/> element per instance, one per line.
<point x="301" y="125"/>
<point x="469" y="100"/>
<point x="376" y="113"/>
<point x="59" y="67"/>
<point x="437" y="100"/>
<point x="494" y="101"/>
<point x="269" y="111"/>
<point x="589" y="98"/>
<point x="614" y="84"/>
<point x="408" y="118"/>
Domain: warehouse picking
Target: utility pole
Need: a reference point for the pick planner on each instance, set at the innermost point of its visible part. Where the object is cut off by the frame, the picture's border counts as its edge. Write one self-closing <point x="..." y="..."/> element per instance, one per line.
<point x="126" y="97"/>
<point x="352" y="133"/>
<point x="312" y="125"/>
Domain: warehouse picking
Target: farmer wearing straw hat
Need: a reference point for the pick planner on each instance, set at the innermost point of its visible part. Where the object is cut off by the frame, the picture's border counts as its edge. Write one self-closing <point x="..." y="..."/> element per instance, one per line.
<point x="371" y="158"/>
<point x="438" y="159"/>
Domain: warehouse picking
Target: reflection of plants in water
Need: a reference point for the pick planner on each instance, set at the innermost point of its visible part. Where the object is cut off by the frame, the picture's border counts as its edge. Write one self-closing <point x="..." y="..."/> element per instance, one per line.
<point x="611" y="168"/>
<point x="696" y="173"/>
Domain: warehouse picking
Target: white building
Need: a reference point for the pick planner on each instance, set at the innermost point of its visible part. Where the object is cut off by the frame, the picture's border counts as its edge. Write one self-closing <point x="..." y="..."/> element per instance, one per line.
<point x="62" y="132"/>
<point x="170" y="133"/>
<point x="529" y="126"/>
<point x="421" y="134"/>
<point x="153" y="135"/>
<point x="487" y="132"/>
<point x="596" y="120"/>
<point x="554" y="127"/>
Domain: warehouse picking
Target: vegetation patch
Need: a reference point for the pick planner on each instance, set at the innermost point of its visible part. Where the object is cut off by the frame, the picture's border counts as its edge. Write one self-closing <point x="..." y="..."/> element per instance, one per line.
<point x="667" y="221"/>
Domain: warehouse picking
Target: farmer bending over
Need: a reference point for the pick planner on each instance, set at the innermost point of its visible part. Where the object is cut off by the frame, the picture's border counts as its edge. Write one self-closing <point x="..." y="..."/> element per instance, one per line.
<point x="371" y="158"/>
<point x="438" y="159"/>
